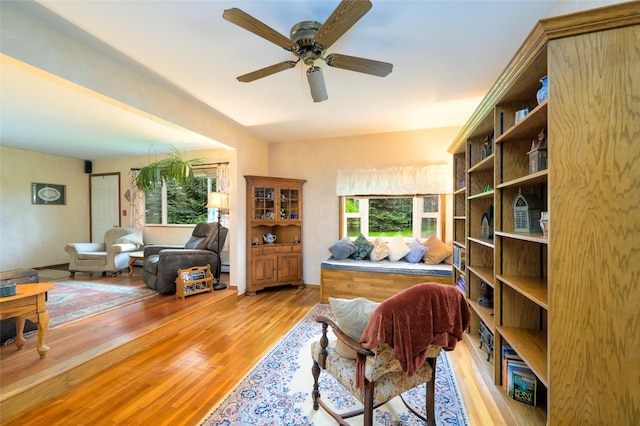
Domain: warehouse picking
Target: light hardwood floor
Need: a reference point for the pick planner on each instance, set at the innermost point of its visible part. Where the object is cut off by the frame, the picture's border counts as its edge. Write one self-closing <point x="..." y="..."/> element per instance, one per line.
<point x="179" y="379"/>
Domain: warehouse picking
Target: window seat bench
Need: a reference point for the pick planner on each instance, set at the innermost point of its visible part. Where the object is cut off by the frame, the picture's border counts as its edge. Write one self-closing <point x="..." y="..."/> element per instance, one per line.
<point x="377" y="281"/>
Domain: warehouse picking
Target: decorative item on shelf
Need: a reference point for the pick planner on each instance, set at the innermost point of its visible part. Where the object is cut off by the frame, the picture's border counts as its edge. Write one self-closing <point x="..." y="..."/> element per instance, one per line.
<point x="486" y="339"/>
<point x="543" y="92"/>
<point x="544" y="223"/>
<point x="487" y="146"/>
<point x="269" y="238"/>
<point x="255" y="241"/>
<point x="486" y="295"/>
<point x="521" y="113"/>
<point x="7" y="290"/>
<point x="486" y="224"/>
<point x="527" y="209"/>
<point x="538" y="152"/>
<point x="220" y="202"/>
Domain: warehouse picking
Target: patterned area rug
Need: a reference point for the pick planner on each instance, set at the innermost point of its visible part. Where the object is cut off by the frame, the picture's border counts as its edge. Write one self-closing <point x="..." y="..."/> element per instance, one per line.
<point x="73" y="300"/>
<point x="277" y="391"/>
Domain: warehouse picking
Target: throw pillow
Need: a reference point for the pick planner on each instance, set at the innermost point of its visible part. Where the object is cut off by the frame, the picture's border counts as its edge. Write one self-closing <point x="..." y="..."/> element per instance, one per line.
<point x="342" y="249"/>
<point x="437" y="251"/>
<point x="352" y="316"/>
<point x="363" y="248"/>
<point x="380" y="250"/>
<point x="417" y="250"/>
<point x="398" y="249"/>
<point x="135" y="238"/>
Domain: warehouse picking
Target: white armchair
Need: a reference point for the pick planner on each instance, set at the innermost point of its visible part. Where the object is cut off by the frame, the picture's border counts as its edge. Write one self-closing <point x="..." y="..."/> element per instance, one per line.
<point x="112" y="255"/>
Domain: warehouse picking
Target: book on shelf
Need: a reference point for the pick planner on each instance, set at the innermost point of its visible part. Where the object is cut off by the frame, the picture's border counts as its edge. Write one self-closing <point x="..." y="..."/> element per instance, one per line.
<point x="459" y="257"/>
<point x="509" y="356"/>
<point x="525" y="386"/>
<point x="518" y="380"/>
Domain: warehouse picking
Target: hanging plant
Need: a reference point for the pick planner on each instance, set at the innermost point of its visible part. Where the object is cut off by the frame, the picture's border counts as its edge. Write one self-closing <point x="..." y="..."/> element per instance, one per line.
<point x="172" y="167"/>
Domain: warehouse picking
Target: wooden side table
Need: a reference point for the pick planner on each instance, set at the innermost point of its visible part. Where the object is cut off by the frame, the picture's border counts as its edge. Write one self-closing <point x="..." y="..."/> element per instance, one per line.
<point x="133" y="256"/>
<point x="28" y="303"/>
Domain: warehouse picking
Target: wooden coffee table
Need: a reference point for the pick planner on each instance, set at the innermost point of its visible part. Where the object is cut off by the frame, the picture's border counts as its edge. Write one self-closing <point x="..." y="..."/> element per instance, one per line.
<point x="133" y="256"/>
<point x="28" y="303"/>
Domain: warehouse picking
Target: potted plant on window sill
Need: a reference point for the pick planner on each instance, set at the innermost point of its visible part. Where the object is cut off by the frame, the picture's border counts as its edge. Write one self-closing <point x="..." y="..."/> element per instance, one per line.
<point x="174" y="166"/>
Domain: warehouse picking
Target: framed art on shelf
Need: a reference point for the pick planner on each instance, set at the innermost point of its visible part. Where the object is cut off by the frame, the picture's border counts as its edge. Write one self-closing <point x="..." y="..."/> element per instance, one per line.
<point x="46" y="193"/>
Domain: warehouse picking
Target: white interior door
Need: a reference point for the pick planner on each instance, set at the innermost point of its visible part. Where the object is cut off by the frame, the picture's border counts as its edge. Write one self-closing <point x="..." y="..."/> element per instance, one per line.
<point x="105" y="204"/>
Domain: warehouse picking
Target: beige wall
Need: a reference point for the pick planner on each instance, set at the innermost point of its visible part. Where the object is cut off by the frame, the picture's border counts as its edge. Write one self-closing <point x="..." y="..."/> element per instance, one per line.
<point x="318" y="162"/>
<point x="34" y="235"/>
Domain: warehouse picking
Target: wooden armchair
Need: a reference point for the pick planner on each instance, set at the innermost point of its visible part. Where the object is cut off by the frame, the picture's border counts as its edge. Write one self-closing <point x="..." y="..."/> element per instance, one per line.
<point x="396" y="351"/>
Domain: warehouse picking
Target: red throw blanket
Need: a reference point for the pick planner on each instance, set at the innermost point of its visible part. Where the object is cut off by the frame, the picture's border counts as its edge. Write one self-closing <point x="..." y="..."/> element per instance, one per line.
<point x="422" y="315"/>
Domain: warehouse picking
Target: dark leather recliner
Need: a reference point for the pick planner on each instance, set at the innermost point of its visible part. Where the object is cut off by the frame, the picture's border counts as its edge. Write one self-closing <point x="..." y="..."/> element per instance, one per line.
<point x="161" y="263"/>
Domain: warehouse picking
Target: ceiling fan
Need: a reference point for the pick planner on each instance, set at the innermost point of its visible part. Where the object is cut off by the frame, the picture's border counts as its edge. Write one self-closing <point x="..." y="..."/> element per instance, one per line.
<point x="308" y="42"/>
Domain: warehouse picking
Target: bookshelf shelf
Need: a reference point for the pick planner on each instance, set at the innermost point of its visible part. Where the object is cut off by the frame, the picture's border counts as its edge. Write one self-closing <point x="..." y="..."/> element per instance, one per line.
<point x="534" y="288"/>
<point x="485" y="314"/>
<point x="528" y="180"/>
<point x="486" y="194"/>
<point x="531" y="124"/>
<point x="524" y="236"/>
<point x="483" y="241"/>
<point x="483" y="165"/>
<point x="485" y="274"/>
<point x="531" y="345"/>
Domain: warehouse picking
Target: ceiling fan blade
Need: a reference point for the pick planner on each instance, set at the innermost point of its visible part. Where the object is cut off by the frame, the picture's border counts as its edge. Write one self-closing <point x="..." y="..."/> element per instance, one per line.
<point x="264" y="72"/>
<point x="343" y="17"/>
<point x="249" y="23"/>
<point x="352" y="63"/>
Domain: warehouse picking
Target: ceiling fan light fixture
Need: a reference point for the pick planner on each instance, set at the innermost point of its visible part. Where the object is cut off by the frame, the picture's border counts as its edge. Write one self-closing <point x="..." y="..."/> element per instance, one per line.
<point x="309" y="41"/>
<point x="316" y="84"/>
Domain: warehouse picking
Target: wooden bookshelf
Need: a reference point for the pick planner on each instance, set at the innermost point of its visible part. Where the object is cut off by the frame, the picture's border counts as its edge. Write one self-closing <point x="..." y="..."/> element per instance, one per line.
<point x="555" y="296"/>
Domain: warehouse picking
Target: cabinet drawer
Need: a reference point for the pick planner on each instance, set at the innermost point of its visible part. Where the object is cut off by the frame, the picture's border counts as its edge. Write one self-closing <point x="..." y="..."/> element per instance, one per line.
<point x="276" y="249"/>
<point x="296" y="248"/>
<point x="256" y="251"/>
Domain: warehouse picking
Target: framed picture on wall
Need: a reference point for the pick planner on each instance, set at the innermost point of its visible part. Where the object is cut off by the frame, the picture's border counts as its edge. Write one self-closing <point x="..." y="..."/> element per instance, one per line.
<point x="47" y="193"/>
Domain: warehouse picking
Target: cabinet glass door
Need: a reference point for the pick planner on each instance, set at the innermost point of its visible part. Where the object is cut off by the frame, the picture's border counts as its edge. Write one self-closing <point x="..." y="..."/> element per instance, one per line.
<point x="289" y="204"/>
<point x="264" y="203"/>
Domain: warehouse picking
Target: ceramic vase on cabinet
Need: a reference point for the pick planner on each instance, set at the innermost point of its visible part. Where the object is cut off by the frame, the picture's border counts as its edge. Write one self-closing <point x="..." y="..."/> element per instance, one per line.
<point x="543" y="92"/>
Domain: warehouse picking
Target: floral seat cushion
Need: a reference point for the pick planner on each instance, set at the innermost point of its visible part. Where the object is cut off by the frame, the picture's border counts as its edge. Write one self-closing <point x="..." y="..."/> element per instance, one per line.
<point x="382" y="368"/>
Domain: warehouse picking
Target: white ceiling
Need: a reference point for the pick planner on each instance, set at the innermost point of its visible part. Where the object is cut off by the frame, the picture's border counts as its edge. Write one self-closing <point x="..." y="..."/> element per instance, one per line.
<point x="446" y="55"/>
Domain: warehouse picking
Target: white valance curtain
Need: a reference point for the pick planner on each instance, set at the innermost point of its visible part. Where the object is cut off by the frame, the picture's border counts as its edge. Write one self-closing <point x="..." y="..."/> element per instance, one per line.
<point x="395" y="181"/>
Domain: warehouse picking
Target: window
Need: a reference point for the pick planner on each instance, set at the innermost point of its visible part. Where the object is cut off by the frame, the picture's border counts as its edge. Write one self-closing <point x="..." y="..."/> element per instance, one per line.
<point x="410" y="216"/>
<point x="174" y="204"/>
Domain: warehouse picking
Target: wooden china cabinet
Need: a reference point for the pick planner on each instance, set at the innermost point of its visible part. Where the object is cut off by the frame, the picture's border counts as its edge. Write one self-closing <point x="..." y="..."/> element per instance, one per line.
<point x="274" y="206"/>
